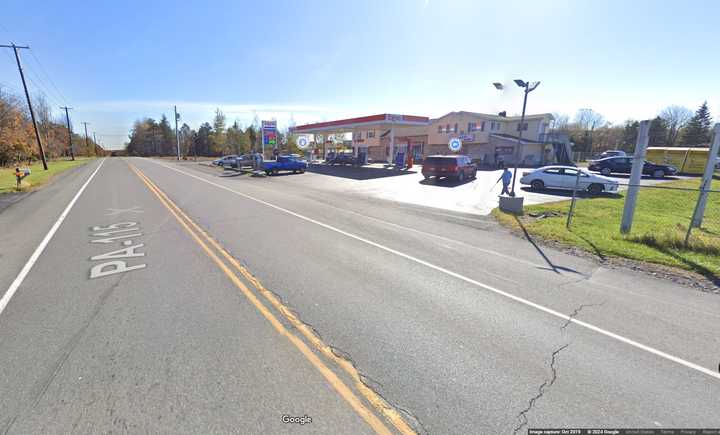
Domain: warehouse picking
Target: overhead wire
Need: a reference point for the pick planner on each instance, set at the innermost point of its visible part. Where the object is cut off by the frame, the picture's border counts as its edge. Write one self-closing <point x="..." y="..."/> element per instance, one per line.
<point x="47" y="75"/>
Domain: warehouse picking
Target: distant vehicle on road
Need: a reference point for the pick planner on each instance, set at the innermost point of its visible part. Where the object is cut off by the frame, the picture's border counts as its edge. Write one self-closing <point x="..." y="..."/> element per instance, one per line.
<point x="623" y="165"/>
<point x="342" y="158"/>
<point x="458" y="167"/>
<point x="565" y="177"/>
<point x="284" y="163"/>
<point x="225" y="160"/>
<point x="613" y="153"/>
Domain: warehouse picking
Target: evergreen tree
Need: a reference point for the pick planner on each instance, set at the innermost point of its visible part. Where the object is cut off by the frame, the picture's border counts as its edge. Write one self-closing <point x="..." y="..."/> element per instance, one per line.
<point x="166" y="137"/>
<point x="697" y="131"/>
<point x="629" y="137"/>
<point x="201" y="141"/>
<point x="657" y="136"/>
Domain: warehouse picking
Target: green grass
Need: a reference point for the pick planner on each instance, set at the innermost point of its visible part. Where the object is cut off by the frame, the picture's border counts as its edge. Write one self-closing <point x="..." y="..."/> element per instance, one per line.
<point x="38" y="175"/>
<point x="658" y="232"/>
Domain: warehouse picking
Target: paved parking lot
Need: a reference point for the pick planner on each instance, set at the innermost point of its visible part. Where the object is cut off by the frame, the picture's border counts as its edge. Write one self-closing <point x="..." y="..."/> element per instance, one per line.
<point x="478" y="196"/>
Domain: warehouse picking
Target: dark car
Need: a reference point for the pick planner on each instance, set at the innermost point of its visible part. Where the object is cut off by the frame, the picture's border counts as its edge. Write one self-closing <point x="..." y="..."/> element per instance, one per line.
<point x="342" y="158"/>
<point x="623" y="165"/>
<point x="613" y="153"/>
<point x="457" y="167"/>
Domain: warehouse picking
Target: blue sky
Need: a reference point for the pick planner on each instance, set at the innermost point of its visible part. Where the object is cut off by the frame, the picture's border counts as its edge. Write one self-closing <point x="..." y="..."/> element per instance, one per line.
<point x="117" y="61"/>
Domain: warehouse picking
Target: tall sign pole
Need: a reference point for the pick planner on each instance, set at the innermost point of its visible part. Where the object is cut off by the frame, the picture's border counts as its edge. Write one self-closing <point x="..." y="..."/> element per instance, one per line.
<point x="177" y="138"/>
<point x="705" y="185"/>
<point x="27" y="95"/>
<point x="635" y="176"/>
<point x="67" y="118"/>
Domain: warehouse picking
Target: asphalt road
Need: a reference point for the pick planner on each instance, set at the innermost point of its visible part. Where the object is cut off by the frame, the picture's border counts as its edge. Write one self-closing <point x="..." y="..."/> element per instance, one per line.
<point x="264" y="297"/>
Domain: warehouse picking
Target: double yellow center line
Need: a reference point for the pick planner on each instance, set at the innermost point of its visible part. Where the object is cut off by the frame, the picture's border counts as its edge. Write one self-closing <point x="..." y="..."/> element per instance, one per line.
<point x="205" y="241"/>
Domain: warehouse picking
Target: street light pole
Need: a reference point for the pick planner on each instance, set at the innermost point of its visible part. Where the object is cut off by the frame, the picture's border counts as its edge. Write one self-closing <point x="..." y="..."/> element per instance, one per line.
<point x="519" y="141"/>
<point x="527" y="88"/>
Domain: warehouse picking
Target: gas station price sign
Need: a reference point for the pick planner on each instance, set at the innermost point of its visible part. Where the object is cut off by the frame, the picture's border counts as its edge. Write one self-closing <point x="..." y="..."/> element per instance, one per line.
<point x="269" y="132"/>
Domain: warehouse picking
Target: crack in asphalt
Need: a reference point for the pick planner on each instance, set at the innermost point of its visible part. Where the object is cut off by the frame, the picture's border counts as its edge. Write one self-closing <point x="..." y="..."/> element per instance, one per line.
<point x="577" y="311"/>
<point x="522" y="416"/>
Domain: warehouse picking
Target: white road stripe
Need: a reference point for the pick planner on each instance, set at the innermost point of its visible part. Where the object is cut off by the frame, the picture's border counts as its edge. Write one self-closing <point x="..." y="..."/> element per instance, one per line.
<point x="519" y="299"/>
<point x="41" y="247"/>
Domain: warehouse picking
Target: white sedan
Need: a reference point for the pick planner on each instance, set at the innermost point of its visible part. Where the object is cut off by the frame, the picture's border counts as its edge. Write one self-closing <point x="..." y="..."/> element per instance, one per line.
<point x="566" y="177"/>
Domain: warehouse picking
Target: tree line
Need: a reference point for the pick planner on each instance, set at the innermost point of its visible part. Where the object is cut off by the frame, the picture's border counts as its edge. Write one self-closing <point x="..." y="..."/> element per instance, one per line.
<point x="17" y="137"/>
<point x="674" y="126"/>
<point x="149" y="137"/>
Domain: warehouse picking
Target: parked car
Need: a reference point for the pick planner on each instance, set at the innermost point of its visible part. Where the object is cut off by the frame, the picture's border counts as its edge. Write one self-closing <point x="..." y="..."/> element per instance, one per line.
<point x="241" y="161"/>
<point x="623" y="165"/>
<point x="565" y="178"/>
<point x="284" y="163"/>
<point x="225" y="160"/>
<point x="342" y="158"/>
<point x="613" y="153"/>
<point x="458" y="167"/>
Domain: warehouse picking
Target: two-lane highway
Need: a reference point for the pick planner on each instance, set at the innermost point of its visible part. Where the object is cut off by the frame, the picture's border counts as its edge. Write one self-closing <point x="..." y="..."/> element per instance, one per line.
<point x="259" y="298"/>
<point x="126" y="324"/>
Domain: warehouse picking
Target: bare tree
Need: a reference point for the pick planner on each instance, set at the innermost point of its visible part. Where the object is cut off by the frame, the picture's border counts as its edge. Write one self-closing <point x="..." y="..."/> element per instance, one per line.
<point x="589" y="120"/>
<point x="560" y="122"/>
<point x="676" y="117"/>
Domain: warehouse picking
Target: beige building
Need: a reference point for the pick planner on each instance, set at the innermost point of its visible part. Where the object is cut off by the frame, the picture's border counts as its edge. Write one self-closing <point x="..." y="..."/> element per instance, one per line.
<point x="485" y="138"/>
<point x="488" y="138"/>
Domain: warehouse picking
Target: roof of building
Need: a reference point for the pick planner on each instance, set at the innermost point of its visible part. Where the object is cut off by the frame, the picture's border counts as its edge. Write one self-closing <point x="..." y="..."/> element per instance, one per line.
<point x="496" y="117"/>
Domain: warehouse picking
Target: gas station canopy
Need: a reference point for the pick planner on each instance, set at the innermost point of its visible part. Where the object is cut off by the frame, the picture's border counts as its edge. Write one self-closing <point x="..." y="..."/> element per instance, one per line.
<point x="385" y="120"/>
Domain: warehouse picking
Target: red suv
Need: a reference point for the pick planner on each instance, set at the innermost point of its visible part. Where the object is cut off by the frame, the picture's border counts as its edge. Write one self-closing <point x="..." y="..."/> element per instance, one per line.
<point x="459" y="168"/>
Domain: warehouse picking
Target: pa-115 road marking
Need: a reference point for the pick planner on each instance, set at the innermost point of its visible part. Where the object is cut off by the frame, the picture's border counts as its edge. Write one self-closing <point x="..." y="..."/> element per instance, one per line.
<point x="112" y="233"/>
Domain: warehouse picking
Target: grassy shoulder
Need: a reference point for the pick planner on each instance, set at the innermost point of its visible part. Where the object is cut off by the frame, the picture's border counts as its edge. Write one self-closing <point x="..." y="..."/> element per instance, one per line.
<point x="38" y="175"/>
<point x="661" y="220"/>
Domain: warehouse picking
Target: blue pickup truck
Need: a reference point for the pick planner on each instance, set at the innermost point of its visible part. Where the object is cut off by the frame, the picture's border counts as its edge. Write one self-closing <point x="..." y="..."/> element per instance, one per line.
<point x="285" y="163"/>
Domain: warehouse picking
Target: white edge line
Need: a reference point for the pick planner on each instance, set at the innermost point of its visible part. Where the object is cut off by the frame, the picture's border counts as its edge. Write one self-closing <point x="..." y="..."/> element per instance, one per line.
<point x="524" y="301"/>
<point x="41" y="247"/>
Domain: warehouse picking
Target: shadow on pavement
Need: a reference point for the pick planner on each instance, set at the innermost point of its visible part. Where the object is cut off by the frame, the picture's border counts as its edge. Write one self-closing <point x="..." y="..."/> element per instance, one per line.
<point x="551" y="266"/>
<point x="357" y="172"/>
<point x="445" y="182"/>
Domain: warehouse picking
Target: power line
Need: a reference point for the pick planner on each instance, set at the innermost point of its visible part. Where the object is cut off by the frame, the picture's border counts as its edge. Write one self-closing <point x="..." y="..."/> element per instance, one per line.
<point x="42" y="68"/>
<point x="40" y="84"/>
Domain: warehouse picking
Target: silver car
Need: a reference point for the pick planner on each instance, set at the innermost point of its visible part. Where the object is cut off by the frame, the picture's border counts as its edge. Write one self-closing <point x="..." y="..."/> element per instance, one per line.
<point x="566" y="178"/>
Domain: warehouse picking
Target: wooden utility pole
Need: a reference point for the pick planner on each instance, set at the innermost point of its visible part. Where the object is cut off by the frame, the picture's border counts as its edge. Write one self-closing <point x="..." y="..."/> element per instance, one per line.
<point x="27" y="95"/>
<point x="97" y="146"/>
<point x="67" y="118"/>
<point x="177" y="138"/>
<point x="87" y="145"/>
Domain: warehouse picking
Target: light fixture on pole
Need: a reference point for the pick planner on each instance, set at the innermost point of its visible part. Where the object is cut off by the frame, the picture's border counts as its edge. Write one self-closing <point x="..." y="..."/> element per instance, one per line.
<point x="527" y="88"/>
